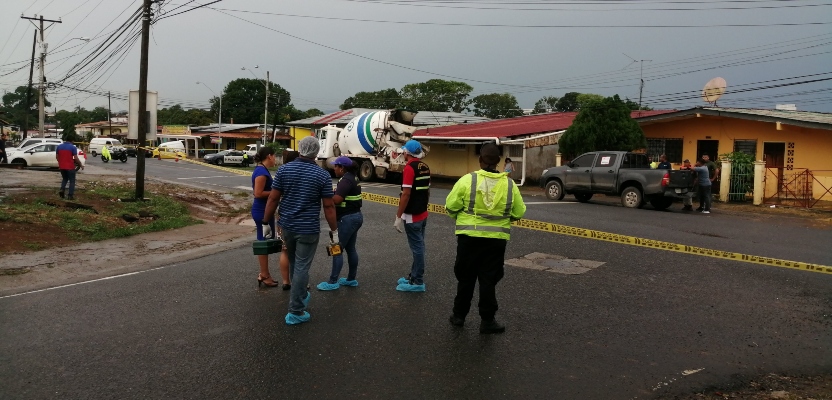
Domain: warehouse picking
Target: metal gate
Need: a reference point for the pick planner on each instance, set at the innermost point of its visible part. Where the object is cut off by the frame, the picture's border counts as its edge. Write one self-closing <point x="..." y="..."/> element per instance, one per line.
<point x="741" y="182"/>
<point x="798" y="187"/>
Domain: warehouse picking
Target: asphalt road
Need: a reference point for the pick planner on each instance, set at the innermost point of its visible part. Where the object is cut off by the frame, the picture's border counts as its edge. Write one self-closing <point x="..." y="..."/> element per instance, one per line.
<point x="636" y="327"/>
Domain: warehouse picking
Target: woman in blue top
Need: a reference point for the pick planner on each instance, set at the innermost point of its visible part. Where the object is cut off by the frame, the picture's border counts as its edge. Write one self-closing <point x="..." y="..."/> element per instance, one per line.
<point x="261" y="182"/>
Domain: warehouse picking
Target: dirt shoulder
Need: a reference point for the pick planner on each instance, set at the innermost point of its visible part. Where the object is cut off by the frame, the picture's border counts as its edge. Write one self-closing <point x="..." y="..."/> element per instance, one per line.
<point x="46" y="241"/>
<point x="771" y="386"/>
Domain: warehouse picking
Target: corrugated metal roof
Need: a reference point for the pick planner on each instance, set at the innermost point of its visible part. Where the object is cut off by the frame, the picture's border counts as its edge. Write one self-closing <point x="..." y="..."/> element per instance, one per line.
<point x="423" y="118"/>
<point x="225" y="127"/>
<point x="805" y="116"/>
<point x="514" y="127"/>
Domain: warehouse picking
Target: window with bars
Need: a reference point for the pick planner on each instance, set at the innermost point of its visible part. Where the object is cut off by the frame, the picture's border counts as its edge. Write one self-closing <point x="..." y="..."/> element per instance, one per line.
<point x="746" y="146"/>
<point x="456" y="146"/>
<point x="672" y="148"/>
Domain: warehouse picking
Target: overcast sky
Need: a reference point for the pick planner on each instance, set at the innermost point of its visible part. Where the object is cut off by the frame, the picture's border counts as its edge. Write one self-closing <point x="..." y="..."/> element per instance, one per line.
<point x="573" y="46"/>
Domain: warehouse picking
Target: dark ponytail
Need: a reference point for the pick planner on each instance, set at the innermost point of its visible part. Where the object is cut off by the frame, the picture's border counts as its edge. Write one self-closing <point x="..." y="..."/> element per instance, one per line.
<point x="263" y="154"/>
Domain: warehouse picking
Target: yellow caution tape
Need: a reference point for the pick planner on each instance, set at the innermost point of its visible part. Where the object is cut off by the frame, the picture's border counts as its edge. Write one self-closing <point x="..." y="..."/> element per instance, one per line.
<point x="630" y="240"/>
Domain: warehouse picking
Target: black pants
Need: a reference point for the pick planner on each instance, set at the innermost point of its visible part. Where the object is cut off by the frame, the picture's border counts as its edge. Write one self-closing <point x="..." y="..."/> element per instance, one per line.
<point x="705" y="198"/>
<point x="478" y="259"/>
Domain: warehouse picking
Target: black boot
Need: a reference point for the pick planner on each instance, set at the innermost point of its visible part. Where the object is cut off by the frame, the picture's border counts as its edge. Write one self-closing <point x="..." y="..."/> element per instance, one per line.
<point x="456" y="321"/>
<point x="492" y="326"/>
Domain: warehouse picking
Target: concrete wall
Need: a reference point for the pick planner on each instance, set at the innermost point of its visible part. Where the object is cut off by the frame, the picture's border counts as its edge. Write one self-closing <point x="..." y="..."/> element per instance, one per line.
<point x="448" y="162"/>
<point x="812" y="147"/>
<point x="538" y="159"/>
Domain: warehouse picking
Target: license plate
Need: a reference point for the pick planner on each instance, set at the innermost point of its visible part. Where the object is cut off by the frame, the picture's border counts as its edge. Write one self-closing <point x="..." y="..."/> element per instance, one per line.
<point x="678" y="190"/>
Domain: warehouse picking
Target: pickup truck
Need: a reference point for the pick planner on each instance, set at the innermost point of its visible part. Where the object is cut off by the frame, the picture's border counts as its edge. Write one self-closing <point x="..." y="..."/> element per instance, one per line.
<point x="617" y="173"/>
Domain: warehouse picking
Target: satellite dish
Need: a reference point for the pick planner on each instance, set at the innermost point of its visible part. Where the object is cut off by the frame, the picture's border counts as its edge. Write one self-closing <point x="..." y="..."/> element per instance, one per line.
<point x="713" y="90"/>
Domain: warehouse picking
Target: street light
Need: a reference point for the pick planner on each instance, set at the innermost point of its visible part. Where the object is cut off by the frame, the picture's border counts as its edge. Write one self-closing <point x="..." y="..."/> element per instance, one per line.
<point x="266" y="112"/>
<point x="219" y="118"/>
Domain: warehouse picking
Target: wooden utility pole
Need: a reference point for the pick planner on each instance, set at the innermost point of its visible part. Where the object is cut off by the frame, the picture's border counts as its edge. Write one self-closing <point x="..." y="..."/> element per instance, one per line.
<point x="29" y="88"/>
<point x="109" y="112"/>
<point x="43" y="48"/>
<point x="143" y="120"/>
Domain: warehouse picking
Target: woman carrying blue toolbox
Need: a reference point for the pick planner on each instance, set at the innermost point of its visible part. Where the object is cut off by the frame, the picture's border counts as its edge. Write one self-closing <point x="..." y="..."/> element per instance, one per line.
<point x="347" y="201"/>
<point x="261" y="182"/>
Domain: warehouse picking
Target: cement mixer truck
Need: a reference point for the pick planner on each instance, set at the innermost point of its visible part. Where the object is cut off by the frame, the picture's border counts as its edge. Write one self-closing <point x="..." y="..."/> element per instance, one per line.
<point x="372" y="140"/>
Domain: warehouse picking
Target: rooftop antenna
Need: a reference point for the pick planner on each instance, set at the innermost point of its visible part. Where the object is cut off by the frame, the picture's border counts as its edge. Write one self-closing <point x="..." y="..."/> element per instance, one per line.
<point x="640" y="76"/>
<point x="713" y="90"/>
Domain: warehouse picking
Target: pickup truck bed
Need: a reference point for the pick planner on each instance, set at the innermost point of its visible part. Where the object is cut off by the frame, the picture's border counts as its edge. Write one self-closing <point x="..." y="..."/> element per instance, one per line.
<point x="617" y="173"/>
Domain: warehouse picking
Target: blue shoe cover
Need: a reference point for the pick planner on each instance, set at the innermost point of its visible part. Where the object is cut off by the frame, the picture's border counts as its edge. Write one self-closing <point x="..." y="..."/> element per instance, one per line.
<point x="306" y="300"/>
<point x="406" y="287"/>
<point x="292" y="319"/>
<point x="328" y="286"/>
<point x="403" y="281"/>
<point x="345" y="282"/>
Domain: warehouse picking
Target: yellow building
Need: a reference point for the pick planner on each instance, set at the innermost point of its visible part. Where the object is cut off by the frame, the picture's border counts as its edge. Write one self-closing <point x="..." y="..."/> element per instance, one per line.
<point x="297" y="133"/>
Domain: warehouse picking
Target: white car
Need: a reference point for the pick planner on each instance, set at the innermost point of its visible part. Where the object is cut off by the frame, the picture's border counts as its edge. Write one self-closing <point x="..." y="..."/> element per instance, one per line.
<point x="31" y="142"/>
<point x="41" y="155"/>
<point x="251" y="150"/>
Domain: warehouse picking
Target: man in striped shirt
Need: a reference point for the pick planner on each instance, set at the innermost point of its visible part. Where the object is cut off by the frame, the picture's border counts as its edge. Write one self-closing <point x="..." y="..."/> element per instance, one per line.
<point x="300" y="188"/>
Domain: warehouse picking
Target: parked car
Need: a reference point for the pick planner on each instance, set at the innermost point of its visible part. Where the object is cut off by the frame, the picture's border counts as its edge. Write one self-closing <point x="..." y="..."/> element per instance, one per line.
<point x="251" y="150"/>
<point x="233" y="157"/>
<point x="41" y="155"/>
<point x="96" y="143"/>
<point x="617" y="173"/>
<point x="31" y="142"/>
<point x="168" y="153"/>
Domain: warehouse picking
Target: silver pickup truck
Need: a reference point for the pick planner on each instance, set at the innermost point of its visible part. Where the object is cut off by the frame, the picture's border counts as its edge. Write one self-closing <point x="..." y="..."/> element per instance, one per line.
<point x="617" y="173"/>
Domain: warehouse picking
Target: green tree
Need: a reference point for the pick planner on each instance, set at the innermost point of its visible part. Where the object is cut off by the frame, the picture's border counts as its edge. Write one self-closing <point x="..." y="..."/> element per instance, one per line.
<point x="381" y="99"/>
<point x="605" y="125"/>
<point x="67" y="120"/>
<point x="545" y="104"/>
<point x="496" y="105"/>
<point x="14" y="104"/>
<point x="313" y="112"/>
<point x="569" y="102"/>
<point x="587" y="99"/>
<point x="436" y="95"/>
<point x="634" y="106"/>
<point x="244" y="100"/>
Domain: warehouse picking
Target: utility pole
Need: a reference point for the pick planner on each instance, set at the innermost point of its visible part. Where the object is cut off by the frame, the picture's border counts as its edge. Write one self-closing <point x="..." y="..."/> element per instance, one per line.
<point x="640" y="75"/>
<point x="143" y="120"/>
<point x="110" y="117"/>
<point x="266" y="115"/>
<point x="29" y="88"/>
<point x="43" y="48"/>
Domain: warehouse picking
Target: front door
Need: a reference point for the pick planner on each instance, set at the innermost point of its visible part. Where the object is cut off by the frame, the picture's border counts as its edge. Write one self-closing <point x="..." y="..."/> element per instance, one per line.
<point x="774" y="154"/>
<point x="603" y="173"/>
<point x="578" y="176"/>
<point x="709" y="147"/>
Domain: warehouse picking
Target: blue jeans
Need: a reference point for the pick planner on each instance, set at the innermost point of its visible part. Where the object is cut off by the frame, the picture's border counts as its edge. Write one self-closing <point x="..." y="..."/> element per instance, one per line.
<point x="348" y="227"/>
<point x="300" y="250"/>
<point x="68" y="175"/>
<point x="416" y="240"/>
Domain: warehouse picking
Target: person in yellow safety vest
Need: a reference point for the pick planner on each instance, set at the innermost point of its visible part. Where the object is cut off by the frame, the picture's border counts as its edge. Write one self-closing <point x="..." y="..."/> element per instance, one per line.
<point x="483" y="203"/>
<point x="105" y="152"/>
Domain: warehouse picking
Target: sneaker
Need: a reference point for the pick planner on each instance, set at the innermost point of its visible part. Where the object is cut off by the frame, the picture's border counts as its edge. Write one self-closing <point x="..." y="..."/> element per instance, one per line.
<point x="456" y="321"/>
<point x="406" y="287"/>
<point x="706" y="212"/>
<point x="306" y="300"/>
<point x="61" y="194"/>
<point x="294" y="319"/>
<point x="328" y="286"/>
<point x="492" y="326"/>
<point x="345" y="282"/>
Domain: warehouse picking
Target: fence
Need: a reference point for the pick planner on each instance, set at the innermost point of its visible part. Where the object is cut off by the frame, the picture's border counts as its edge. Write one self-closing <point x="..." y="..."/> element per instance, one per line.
<point x="741" y="186"/>
<point x="798" y="187"/>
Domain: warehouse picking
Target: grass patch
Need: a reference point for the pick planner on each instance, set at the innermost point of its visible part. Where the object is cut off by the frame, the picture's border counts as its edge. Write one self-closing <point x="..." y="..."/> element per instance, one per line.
<point x="40" y="210"/>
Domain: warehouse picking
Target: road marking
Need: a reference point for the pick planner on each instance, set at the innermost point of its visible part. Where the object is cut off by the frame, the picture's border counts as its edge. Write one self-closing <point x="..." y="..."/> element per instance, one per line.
<point x="85" y="282"/>
<point x="630" y="240"/>
<point x="551" y="202"/>
<point x="208" y="177"/>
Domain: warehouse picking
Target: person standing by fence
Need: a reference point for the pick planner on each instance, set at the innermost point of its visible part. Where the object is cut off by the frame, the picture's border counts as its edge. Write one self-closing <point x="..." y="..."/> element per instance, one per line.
<point x="704" y="191"/>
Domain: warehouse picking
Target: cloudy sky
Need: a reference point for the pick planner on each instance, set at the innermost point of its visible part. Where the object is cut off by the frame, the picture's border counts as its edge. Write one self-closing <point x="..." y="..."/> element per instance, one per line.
<point x="323" y="51"/>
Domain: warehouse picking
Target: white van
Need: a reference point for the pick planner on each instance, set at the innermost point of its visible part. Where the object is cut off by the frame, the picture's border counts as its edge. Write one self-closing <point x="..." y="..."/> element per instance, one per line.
<point x="96" y="143"/>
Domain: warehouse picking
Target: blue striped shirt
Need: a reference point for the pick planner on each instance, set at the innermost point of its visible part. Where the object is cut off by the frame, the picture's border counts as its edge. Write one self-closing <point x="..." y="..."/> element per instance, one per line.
<point x="302" y="184"/>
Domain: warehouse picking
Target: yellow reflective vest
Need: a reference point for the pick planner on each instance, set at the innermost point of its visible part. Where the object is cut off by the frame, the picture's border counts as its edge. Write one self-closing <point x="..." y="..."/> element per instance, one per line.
<point x="484" y="204"/>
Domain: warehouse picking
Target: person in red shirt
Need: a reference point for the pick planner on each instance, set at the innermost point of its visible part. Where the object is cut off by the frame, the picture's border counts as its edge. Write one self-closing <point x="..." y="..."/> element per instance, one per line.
<point x="412" y="214"/>
<point x="67" y="155"/>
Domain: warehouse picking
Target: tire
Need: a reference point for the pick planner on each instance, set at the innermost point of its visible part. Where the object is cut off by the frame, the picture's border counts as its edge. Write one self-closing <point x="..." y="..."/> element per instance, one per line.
<point x="124" y="158"/>
<point x="367" y="171"/>
<point x="219" y="161"/>
<point x="104" y="159"/>
<point x="583" y="197"/>
<point x="631" y="197"/>
<point x="94" y="154"/>
<point x="661" y="203"/>
<point x="554" y="190"/>
<point x="19" y="161"/>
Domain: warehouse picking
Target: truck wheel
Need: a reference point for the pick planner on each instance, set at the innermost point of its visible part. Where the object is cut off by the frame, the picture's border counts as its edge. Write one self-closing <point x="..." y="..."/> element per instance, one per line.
<point x="94" y="154"/>
<point x="554" y="190"/>
<point x="367" y="171"/>
<point x="632" y="198"/>
<point x="583" y="197"/>
<point x="661" y="203"/>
